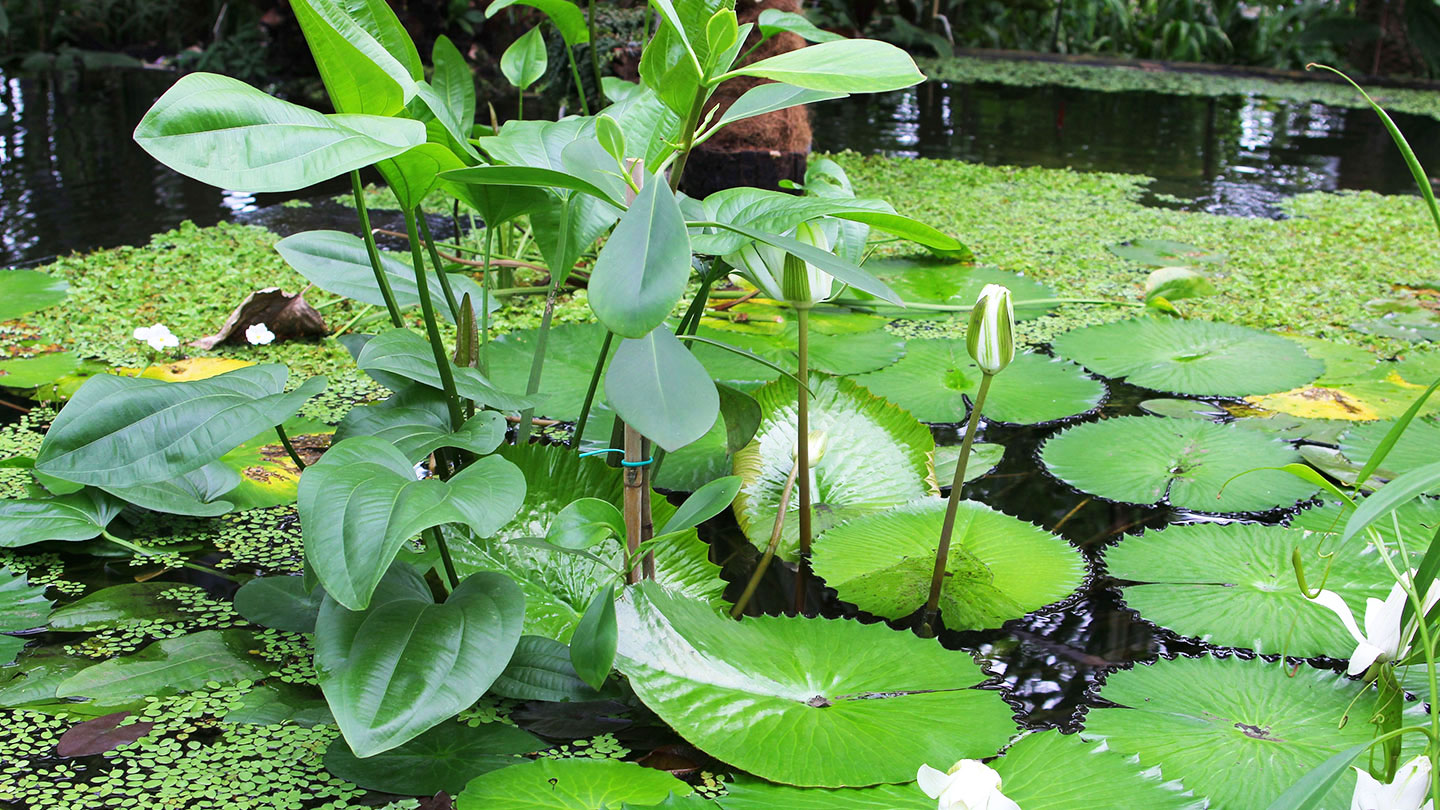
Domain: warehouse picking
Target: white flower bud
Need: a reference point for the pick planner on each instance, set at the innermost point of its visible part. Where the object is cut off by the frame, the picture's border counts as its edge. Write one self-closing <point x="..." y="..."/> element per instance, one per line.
<point x="991" y="337"/>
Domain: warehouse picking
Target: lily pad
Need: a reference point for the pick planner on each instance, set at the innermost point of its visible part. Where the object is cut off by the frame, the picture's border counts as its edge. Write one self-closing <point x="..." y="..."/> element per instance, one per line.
<point x="1164" y="253"/>
<point x="1233" y="585"/>
<point x="1415" y="520"/>
<point x="168" y="666"/>
<point x="930" y="280"/>
<point x="444" y="758"/>
<point x="1417" y="446"/>
<point x="36" y="366"/>
<point x="1413" y="313"/>
<point x="999" y="568"/>
<point x="937" y="381"/>
<point x="877" y="457"/>
<point x="25" y="291"/>
<point x="268" y="477"/>
<point x="570" y="354"/>
<point x="870" y="704"/>
<point x="1094" y="776"/>
<point x="841" y="342"/>
<point x="559" y="586"/>
<point x="1356" y="386"/>
<point x="1182" y="462"/>
<point x="570" y="784"/>
<point x="983" y="458"/>
<point x="1238" y="732"/>
<point x="1190" y="357"/>
<point x="120" y="604"/>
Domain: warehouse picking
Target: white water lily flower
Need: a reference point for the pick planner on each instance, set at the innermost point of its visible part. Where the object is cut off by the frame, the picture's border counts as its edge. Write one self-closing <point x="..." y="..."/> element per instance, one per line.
<point x="1406" y="792"/>
<point x="159" y="336"/>
<point x="258" y="334"/>
<point x="784" y="277"/>
<point x="991" y="336"/>
<point x="970" y="785"/>
<point x="1383" y="639"/>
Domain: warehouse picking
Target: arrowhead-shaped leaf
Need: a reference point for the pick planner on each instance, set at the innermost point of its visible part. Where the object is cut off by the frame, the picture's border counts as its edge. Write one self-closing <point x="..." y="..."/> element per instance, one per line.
<point x="78" y="516"/>
<point x="360" y="503"/>
<point x="360" y="72"/>
<point x="405" y="664"/>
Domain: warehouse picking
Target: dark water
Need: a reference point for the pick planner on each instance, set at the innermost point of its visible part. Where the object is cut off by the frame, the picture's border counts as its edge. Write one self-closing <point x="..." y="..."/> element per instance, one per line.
<point x="1227" y="155"/>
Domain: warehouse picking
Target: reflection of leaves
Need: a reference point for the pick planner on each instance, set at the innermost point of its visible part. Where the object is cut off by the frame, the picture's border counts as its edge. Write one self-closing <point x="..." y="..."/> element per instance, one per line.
<point x="286" y="314"/>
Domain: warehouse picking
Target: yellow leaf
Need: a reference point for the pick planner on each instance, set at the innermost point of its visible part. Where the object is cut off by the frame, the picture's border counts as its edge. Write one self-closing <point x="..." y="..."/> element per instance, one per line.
<point x="194" y="368"/>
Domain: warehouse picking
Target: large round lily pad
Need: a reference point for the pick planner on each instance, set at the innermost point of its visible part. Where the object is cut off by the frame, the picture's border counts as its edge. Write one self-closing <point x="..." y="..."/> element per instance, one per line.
<point x="1234" y="585"/>
<point x="849" y="704"/>
<point x="930" y="280"/>
<point x="570" y="784"/>
<point x="937" y="381"/>
<point x="999" y="568"/>
<point x="571" y="351"/>
<point x="841" y="342"/>
<point x="1356" y="386"/>
<point x="1414" y="522"/>
<point x="1238" y="732"/>
<point x="1182" y="462"/>
<point x="877" y="457"/>
<point x="1191" y="357"/>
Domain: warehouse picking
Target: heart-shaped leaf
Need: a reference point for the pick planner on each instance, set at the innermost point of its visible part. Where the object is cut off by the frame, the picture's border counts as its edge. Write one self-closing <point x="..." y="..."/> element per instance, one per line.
<point x="444" y="758"/>
<point x="420" y="429"/>
<point x="570" y="784"/>
<point x="280" y="602"/>
<point x="168" y="666"/>
<point x="361" y="502"/>
<point x="404" y="664"/>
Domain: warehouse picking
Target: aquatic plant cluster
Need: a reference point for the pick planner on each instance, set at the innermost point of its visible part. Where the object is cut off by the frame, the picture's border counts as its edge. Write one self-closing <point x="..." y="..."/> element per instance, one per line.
<point x="422" y="596"/>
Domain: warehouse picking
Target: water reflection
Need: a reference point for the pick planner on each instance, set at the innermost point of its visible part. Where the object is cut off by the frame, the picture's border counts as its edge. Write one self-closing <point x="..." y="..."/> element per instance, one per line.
<point x="1231" y="155"/>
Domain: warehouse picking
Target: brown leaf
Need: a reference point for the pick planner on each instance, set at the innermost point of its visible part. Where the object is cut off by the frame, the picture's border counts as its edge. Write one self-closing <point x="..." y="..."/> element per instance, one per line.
<point x="440" y="801"/>
<point x="675" y="759"/>
<point x="100" y="735"/>
<point x="285" y="314"/>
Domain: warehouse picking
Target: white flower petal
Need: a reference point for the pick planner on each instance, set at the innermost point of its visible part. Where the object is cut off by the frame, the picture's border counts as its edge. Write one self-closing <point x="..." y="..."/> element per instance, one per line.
<point x="932" y="781"/>
<point x="1411" y="784"/>
<point x="1365" y="654"/>
<point x="1332" y="600"/>
<point x="1367" y="791"/>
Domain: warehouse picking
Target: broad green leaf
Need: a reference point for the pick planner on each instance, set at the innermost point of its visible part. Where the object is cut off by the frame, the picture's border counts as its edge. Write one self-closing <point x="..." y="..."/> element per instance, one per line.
<point x="1401" y="490"/>
<point x="407" y="354"/>
<point x="532" y="176"/>
<point x="778" y="212"/>
<point x="704" y="503"/>
<point x="22" y="606"/>
<point x="44" y="670"/>
<point x="842" y="270"/>
<point x="983" y="458"/>
<point x="569" y="784"/>
<point x="1204" y="358"/>
<point x="642" y="270"/>
<point x="1182" y="462"/>
<point x="168" y="666"/>
<point x="381" y="22"/>
<point x="1234" y="586"/>
<point x="416" y="173"/>
<point x="1093" y="777"/>
<point x="226" y="133"/>
<point x="268" y="476"/>
<point x="360" y="72"/>
<point x="767" y="98"/>
<point x="610" y="136"/>
<point x="420" y="429"/>
<point x="77" y="516"/>
<point x="361" y="502"/>
<point x="774" y="21"/>
<point x="937" y="381"/>
<point x="26" y="291"/>
<point x="749" y="793"/>
<point x="540" y="669"/>
<point x="565" y="228"/>
<point x="1196" y="718"/>
<point x="999" y="568"/>
<point x="877" y="458"/>
<point x="197" y="493"/>
<point x="660" y="389"/>
<point x="43" y="368"/>
<point x="453" y="82"/>
<point x="444" y="758"/>
<point x="337" y="262"/>
<point x="280" y="602"/>
<point x="592" y="647"/>
<point x="406" y="664"/>
<point x="586" y="522"/>
<point x="670" y="69"/>
<point x="126" y="431"/>
<point x="571" y="353"/>
<point x="524" y="62"/>
<point x="119" y="605"/>
<point x="870" y="703"/>
<point x="845" y="66"/>
<point x="567" y="16"/>
<point x="932" y="280"/>
<point x="841" y="342"/>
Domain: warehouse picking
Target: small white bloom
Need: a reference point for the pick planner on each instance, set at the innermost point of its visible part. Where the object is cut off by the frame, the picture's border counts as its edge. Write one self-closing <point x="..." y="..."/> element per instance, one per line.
<point x="970" y="785"/>
<point x="1383" y="639"/>
<point x="1411" y="786"/>
<point x="258" y="335"/>
<point x="159" y="336"/>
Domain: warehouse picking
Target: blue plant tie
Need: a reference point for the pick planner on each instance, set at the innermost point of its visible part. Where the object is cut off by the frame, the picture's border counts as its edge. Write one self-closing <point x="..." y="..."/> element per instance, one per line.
<point x="587" y="454"/>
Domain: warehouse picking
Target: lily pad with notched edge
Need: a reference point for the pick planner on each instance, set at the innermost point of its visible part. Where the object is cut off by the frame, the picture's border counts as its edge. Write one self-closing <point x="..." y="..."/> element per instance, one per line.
<point x="870" y="704"/>
<point x="570" y="784"/>
<point x="1203" y="358"/>
<point x="1182" y="462"/>
<point x="1356" y="386"/>
<point x="877" y="457"/>
<point x="983" y="458"/>
<point x="999" y="568"/>
<point x="1238" y="732"/>
<point x="937" y="381"/>
<point x="930" y="280"/>
<point x="1234" y="586"/>
<point x="1415" y="520"/>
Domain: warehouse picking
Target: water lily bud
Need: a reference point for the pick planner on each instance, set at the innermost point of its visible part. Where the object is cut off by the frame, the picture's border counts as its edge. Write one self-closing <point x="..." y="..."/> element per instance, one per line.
<point x="991" y="337"/>
<point x="1409" y="790"/>
<point x="819" y="440"/>
<point x="784" y="277"/>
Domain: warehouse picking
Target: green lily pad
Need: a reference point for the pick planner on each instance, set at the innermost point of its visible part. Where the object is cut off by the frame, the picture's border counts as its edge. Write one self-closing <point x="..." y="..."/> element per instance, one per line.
<point x="444" y="758"/>
<point x="930" y="280"/>
<point x="1164" y="253"/>
<point x="40" y="369"/>
<point x="1356" y="386"/>
<point x="1191" y="357"/>
<point x="1282" y="425"/>
<point x="569" y="784"/>
<point x="877" y="457"/>
<point x="25" y="291"/>
<point x="841" y="342"/>
<point x="559" y="586"/>
<point x="1093" y="777"/>
<point x="1416" y="448"/>
<point x="1233" y="585"/>
<point x="570" y="354"/>
<point x="1238" y="732"/>
<point x="749" y="793"/>
<point x="983" y="458"/>
<point x="868" y="703"/>
<point x="999" y="568"/>
<point x="937" y="381"/>
<point x="119" y="604"/>
<point x="1413" y="313"/>
<point x="168" y="666"/>
<point x="1416" y="521"/>
<point x="267" y="475"/>
<point x="1182" y="462"/>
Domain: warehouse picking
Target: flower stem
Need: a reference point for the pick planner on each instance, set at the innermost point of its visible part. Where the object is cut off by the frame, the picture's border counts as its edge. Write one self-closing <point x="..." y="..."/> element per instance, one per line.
<point x="444" y="277"/>
<point x="372" y="251"/>
<point x="432" y="328"/>
<point x="942" y="553"/>
<point x="579" y="85"/>
<point x="438" y="538"/>
<point x="769" y="555"/>
<point x="485" y="301"/>
<point x="537" y="364"/>
<point x="688" y="133"/>
<point x="802" y="456"/>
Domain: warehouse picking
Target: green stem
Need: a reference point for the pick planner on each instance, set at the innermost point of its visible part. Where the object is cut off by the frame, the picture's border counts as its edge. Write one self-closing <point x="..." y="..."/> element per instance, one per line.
<point x="520" y="106"/>
<point x="770" y="549"/>
<point x="537" y="363"/>
<point x="439" y="266"/>
<point x="590" y="392"/>
<point x="802" y="456"/>
<point x="594" y="51"/>
<point x="145" y="552"/>
<point x="373" y="251"/>
<point x="871" y="302"/>
<point x="365" y="310"/>
<point x="485" y="301"/>
<point x="688" y="133"/>
<point x="438" y="538"/>
<point x="289" y="448"/>
<point x="579" y="85"/>
<point x="952" y="507"/>
<point x="432" y="327"/>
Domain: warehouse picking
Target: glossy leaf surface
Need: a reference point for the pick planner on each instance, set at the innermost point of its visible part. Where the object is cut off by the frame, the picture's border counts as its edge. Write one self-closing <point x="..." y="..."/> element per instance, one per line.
<point x="570" y="784"/>
<point x="642" y="270"/>
<point x="656" y="385"/>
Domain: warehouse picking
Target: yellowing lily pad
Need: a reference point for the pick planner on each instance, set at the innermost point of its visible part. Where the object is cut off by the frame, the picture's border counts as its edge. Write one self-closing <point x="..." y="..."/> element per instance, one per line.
<point x="1356" y="386"/>
<point x="193" y="368"/>
<point x="267" y="475"/>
